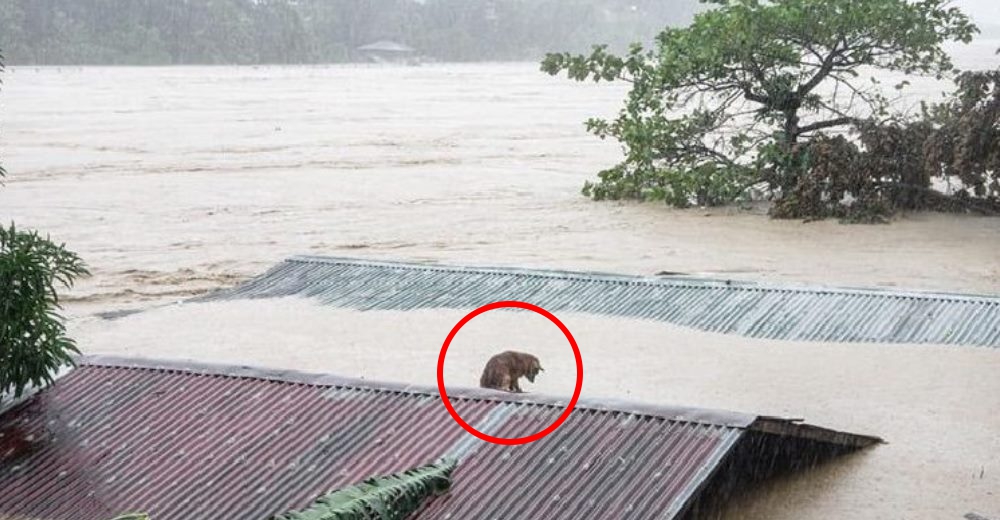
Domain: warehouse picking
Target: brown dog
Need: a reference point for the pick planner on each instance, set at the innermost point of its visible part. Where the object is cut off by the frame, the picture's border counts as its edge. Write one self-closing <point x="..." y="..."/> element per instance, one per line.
<point x="503" y="370"/>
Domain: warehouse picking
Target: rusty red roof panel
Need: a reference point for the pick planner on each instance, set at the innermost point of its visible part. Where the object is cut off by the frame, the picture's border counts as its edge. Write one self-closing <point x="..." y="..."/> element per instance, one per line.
<point x="184" y="441"/>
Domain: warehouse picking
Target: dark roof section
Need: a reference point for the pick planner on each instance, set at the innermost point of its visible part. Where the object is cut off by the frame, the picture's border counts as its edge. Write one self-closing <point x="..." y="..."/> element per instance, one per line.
<point x="742" y="308"/>
<point x="183" y="440"/>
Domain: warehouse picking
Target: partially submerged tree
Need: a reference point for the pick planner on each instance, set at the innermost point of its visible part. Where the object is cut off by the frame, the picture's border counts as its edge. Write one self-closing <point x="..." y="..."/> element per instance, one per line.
<point x="966" y="142"/>
<point x="726" y="103"/>
<point x="33" y="342"/>
<point x="891" y="168"/>
<point x="392" y="497"/>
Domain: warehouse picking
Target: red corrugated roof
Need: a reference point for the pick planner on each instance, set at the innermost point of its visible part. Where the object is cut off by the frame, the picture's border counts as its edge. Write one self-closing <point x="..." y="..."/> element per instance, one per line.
<point x="187" y="441"/>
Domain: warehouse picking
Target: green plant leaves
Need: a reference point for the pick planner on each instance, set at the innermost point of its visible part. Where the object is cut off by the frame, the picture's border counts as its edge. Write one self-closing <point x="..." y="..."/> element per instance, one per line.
<point x="392" y="497"/>
<point x="33" y="344"/>
<point x="719" y="105"/>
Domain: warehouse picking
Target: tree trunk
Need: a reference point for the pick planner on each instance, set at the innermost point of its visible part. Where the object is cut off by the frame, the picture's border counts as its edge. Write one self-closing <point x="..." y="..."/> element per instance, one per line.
<point x="789" y="173"/>
<point x="791" y="127"/>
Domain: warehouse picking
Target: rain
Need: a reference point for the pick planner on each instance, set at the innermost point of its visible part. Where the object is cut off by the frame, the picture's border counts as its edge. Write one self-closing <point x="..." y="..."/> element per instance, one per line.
<point x="246" y="247"/>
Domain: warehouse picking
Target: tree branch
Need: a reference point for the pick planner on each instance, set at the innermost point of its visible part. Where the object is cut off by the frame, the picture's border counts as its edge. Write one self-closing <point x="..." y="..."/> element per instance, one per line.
<point x="819" y="125"/>
<point x="823" y="72"/>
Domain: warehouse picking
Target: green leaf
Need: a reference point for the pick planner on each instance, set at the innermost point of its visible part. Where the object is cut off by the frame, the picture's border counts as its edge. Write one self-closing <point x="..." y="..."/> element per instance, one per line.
<point x="722" y="104"/>
<point x="392" y="497"/>
<point x="33" y="345"/>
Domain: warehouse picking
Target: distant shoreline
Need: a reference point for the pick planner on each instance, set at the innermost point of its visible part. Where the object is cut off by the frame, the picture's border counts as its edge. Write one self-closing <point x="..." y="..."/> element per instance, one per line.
<point x="346" y="64"/>
<point x="989" y="38"/>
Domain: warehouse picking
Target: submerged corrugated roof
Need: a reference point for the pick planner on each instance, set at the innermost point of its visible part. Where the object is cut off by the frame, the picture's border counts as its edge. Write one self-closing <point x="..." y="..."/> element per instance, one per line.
<point x="386" y="46"/>
<point x="186" y="441"/>
<point x="748" y="309"/>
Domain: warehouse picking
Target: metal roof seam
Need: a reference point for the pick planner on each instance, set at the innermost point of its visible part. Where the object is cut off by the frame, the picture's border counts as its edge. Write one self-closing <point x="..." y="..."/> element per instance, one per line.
<point x="677" y="413"/>
<point x="204" y="442"/>
<point x="793" y="313"/>
<point x="685" y="282"/>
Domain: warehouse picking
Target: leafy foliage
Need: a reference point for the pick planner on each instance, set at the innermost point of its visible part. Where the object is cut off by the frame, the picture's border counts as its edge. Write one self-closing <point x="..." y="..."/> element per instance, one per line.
<point x="33" y="343"/>
<point x="726" y="102"/>
<point x="966" y="143"/>
<point x="891" y="166"/>
<point x="147" y="32"/>
<point x="841" y="179"/>
<point x="392" y="497"/>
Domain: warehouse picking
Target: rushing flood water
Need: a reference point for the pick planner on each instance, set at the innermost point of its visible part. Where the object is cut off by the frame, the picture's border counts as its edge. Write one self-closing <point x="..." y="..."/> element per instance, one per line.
<point x="172" y="180"/>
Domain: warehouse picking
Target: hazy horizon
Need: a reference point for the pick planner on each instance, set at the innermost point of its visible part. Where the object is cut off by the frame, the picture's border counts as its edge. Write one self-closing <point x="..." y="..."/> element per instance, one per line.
<point x="241" y="32"/>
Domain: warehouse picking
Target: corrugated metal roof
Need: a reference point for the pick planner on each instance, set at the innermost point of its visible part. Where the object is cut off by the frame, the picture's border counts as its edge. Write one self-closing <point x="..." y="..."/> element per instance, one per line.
<point x="186" y="441"/>
<point x="743" y="308"/>
<point x="386" y="46"/>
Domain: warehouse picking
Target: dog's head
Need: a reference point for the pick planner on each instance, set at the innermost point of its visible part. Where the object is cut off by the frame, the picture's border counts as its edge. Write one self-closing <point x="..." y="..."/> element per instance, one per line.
<point x="534" y="369"/>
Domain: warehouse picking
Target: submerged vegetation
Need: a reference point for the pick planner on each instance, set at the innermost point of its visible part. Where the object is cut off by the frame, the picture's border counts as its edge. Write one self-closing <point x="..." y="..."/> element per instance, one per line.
<point x="893" y="164"/>
<point x="774" y="96"/>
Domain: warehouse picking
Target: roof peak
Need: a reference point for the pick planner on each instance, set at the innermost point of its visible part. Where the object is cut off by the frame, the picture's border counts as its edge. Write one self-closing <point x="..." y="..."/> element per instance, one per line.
<point x="603" y="276"/>
<point x="682" y="414"/>
<point x="669" y="412"/>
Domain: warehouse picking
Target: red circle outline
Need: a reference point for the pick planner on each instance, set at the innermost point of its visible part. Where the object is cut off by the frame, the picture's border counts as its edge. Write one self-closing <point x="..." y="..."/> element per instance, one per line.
<point x="515" y="440"/>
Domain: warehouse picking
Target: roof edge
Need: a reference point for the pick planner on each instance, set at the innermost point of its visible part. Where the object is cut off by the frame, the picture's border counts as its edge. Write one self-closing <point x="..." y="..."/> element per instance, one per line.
<point x="675" y="413"/>
<point x="779" y="426"/>
<point x="619" y="277"/>
<point x="9" y="402"/>
<point x="793" y="427"/>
